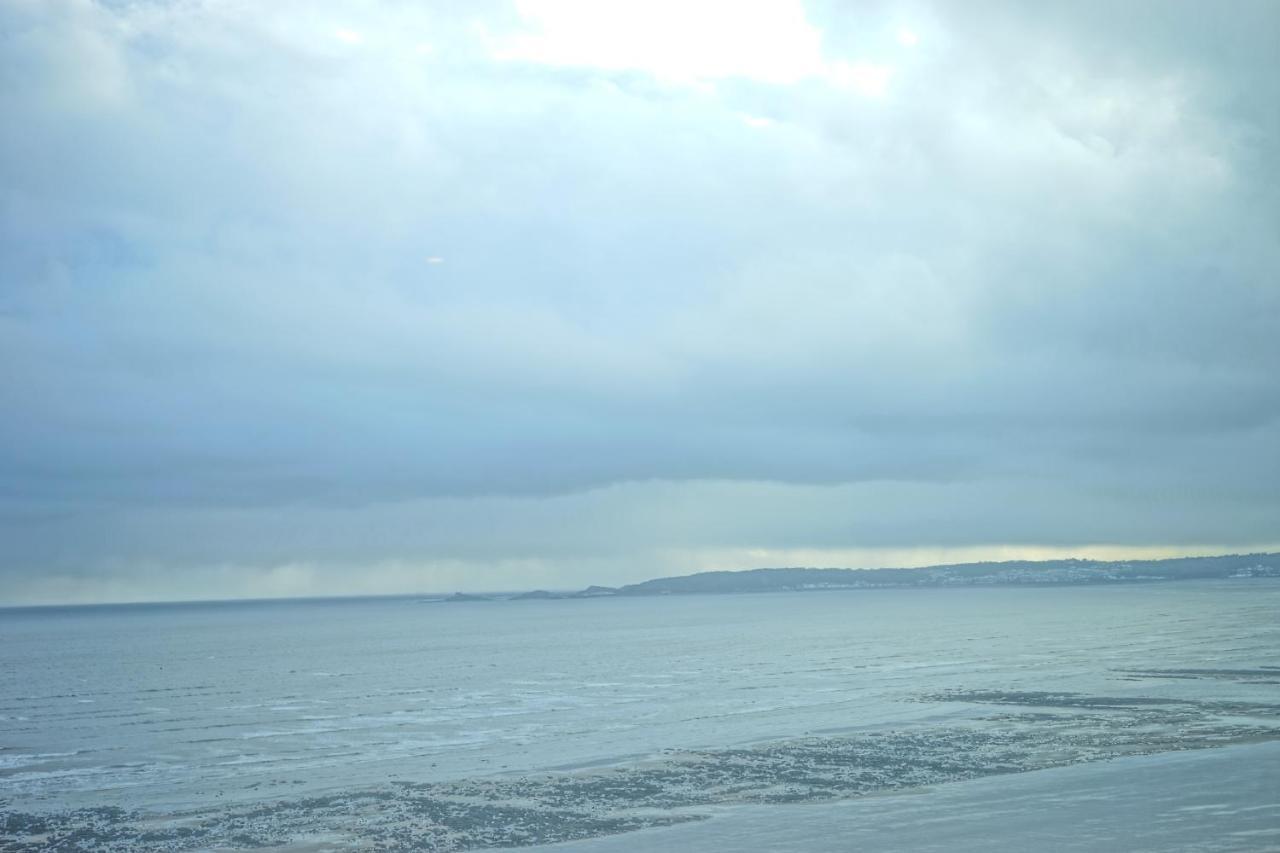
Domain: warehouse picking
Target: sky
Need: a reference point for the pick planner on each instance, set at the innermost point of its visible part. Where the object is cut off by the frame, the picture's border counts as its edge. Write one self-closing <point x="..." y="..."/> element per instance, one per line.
<point x="356" y="296"/>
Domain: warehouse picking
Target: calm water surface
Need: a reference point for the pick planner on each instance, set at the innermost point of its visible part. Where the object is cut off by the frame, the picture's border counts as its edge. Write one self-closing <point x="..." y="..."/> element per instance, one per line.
<point x="176" y="707"/>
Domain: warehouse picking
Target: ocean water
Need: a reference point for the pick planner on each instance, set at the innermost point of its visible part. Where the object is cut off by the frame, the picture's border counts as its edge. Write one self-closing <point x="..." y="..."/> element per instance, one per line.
<point x="404" y="724"/>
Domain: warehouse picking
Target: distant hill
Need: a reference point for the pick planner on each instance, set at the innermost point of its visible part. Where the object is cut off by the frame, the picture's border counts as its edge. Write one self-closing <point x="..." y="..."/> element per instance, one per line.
<point x="1011" y="573"/>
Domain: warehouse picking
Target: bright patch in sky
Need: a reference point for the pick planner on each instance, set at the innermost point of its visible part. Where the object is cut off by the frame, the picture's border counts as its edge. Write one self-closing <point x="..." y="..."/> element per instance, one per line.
<point x="907" y="38"/>
<point x="348" y="36"/>
<point x="863" y="77"/>
<point x="678" y="41"/>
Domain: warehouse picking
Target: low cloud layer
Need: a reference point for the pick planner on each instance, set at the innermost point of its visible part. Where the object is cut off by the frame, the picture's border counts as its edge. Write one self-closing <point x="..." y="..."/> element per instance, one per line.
<point x="292" y="296"/>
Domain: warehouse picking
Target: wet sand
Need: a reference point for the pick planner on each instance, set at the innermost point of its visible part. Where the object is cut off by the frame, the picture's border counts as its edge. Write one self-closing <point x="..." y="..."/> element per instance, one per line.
<point x="1215" y="800"/>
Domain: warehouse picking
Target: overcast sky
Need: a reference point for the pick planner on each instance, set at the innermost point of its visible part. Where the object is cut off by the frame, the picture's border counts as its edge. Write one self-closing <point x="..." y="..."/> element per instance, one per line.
<point x="324" y="297"/>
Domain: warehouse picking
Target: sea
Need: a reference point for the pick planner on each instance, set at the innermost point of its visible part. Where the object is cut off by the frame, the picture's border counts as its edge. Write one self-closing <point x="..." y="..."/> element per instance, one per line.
<point x="1107" y="717"/>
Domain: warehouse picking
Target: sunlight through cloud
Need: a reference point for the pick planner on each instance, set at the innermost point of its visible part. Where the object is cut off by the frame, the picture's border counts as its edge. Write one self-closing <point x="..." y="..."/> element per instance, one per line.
<point x="772" y="42"/>
<point x="863" y="77"/>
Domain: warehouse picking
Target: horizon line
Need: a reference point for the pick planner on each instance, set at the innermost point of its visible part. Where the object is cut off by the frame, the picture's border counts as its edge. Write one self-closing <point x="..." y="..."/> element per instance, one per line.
<point x="50" y="605"/>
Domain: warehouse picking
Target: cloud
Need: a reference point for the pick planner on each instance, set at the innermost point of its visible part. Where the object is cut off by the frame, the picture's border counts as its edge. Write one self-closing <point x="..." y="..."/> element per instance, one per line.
<point x="1031" y="278"/>
<point x="770" y="41"/>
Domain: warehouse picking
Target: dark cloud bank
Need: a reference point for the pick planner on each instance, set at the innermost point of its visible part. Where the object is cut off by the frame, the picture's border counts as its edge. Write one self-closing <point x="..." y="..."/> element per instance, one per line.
<point x="356" y="297"/>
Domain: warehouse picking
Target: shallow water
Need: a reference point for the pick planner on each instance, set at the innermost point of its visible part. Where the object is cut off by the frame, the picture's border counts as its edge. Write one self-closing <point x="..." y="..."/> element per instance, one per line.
<point x="351" y="721"/>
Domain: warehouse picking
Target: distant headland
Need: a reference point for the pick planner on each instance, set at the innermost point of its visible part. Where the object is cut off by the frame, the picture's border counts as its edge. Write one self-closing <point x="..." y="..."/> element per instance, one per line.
<point x="1010" y="573"/>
